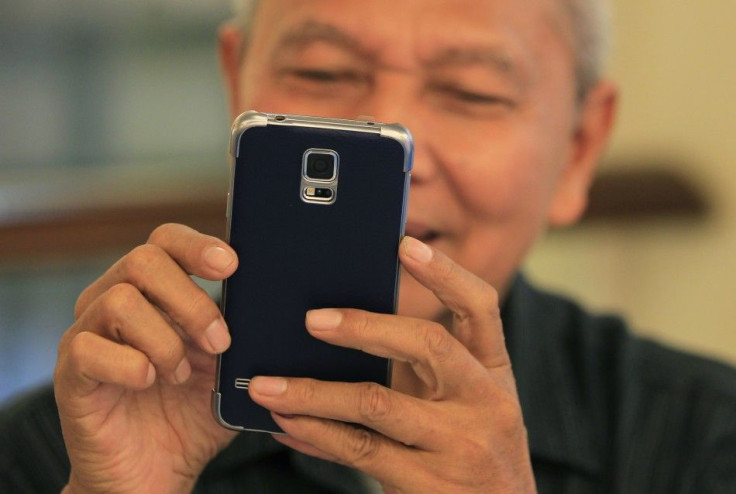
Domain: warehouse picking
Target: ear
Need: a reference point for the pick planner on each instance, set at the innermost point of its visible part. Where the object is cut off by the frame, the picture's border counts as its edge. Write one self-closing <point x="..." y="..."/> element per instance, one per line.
<point x="589" y="140"/>
<point x="231" y="50"/>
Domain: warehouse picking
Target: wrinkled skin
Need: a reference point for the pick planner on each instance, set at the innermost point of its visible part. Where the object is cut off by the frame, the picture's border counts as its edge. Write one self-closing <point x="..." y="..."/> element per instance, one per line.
<point x="502" y="150"/>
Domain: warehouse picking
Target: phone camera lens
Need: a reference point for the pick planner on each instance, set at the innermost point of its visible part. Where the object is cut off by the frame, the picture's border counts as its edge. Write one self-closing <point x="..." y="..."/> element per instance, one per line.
<point x="320" y="166"/>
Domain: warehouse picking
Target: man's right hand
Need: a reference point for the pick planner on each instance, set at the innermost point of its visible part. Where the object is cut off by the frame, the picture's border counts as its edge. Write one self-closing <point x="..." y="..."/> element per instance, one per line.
<point x="136" y="370"/>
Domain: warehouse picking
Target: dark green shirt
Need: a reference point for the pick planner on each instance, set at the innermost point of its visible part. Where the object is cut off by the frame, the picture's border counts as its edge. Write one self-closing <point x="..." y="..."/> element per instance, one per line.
<point x="606" y="412"/>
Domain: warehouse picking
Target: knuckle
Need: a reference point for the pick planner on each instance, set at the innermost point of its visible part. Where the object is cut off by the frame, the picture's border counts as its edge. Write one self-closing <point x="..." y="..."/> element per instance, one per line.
<point x="488" y="302"/>
<point x="473" y="453"/>
<point x="115" y="306"/>
<point x="363" y="447"/>
<point x="374" y="402"/>
<point x="507" y="422"/>
<point x="160" y="233"/>
<point x="484" y="302"/>
<point x="306" y="391"/>
<point x="488" y="297"/>
<point x="62" y="357"/>
<point x="169" y="354"/>
<point x="508" y="417"/>
<point x="83" y="301"/>
<point x="437" y="342"/>
<point x="120" y="299"/>
<point x="358" y="320"/>
<point x="63" y="345"/>
<point x="449" y="270"/>
<point x="65" y="341"/>
<point x="141" y="260"/>
<point x="201" y="306"/>
<point x="78" y="351"/>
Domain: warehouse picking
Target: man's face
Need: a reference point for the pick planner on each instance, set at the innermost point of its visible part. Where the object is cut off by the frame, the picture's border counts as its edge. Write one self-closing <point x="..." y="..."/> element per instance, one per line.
<point x="485" y="86"/>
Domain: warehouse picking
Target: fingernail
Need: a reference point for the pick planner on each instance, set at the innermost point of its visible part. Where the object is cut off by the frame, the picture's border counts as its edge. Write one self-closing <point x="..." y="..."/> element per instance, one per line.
<point x="183" y="371"/>
<point x="218" y="336"/>
<point x="218" y="258"/>
<point x="151" y="376"/>
<point x="419" y="251"/>
<point x="324" y="319"/>
<point x="268" y="386"/>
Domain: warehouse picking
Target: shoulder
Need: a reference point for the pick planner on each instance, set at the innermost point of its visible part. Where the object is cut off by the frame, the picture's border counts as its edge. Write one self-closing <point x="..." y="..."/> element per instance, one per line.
<point x="666" y="416"/>
<point x="685" y="405"/>
<point x="604" y="343"/>
<point x="32" y="453"/>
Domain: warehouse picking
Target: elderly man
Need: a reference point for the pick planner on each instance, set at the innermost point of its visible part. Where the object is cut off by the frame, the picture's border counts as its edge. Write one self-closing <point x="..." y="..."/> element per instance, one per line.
<point x="509" y="115"/>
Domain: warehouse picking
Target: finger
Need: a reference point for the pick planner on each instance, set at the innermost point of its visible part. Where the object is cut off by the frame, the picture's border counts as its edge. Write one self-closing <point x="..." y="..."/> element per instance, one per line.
<point x="155" y="274"/>
<point x="358" y="448"/>
<point x="201" y="255"/>
<point x="473" y="302"/>
<point x="92" y="360"/>
<point x="124" y="315"/>
<point x="388" y="412"/>
<point x="442" y="363"/>
<point x="197" y="254"/>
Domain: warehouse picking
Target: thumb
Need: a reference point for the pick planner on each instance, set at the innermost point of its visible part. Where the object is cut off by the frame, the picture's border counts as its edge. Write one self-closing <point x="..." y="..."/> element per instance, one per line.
<point x="473" y="303"/>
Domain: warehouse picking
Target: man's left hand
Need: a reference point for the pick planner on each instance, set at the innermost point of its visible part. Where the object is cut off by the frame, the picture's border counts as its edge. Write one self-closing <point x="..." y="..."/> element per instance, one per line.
<point x="452" y="421"/>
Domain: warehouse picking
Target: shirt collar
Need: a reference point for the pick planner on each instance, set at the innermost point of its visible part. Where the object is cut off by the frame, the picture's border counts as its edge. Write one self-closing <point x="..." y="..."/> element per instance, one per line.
<point x="558" y="412"/>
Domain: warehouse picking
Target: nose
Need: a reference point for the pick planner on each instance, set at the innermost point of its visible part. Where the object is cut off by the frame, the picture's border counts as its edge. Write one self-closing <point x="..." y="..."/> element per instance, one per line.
<point x="402" y="103"/>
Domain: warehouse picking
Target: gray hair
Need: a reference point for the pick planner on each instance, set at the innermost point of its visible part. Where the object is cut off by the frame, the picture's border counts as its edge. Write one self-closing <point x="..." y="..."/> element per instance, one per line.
<point x="590" y="37"/>
<point x="243" y="12"/>
<point x="590" y="21"/>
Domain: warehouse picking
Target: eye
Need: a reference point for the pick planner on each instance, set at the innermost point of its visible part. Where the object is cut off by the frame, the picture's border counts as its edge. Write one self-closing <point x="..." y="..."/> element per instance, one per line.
<point x="461" y="100"/>
<point x="317" y="75"/>
<point x="325" y="76"/>
<point x="471" y="97"/>
<point x="305" y="81"/>
<point x="474" y="97"/>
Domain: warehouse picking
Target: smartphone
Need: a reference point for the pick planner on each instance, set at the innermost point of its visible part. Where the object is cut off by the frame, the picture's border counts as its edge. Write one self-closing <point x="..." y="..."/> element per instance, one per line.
<point x="316" y="211"/>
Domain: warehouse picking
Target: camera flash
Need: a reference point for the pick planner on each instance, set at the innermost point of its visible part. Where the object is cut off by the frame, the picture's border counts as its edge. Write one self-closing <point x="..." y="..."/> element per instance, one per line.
<point x="310" y="191"/>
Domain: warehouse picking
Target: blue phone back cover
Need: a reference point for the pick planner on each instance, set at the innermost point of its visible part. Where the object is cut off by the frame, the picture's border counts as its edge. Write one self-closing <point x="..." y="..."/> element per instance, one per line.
<point x="295" y="256"/>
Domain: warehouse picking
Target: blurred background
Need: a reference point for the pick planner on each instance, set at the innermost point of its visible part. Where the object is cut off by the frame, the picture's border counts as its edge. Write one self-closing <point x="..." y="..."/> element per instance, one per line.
<point x="112" y="120"/>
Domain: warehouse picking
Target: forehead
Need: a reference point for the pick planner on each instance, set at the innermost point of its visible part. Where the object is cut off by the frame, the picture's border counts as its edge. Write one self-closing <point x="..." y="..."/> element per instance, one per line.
<point x="405" y="32"/>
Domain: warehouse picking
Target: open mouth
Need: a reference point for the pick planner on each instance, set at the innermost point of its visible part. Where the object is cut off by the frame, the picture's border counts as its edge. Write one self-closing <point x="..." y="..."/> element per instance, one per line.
<point x="420" y="232"/>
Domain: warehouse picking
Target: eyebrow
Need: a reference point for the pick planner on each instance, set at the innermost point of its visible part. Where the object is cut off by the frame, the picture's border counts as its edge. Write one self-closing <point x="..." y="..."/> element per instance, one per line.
<point x="494" y="58"/>
<point x="313" y="31"/>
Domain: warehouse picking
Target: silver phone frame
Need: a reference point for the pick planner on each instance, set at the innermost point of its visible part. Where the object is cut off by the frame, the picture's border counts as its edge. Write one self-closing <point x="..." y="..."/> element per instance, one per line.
<point x="252" y="118"/>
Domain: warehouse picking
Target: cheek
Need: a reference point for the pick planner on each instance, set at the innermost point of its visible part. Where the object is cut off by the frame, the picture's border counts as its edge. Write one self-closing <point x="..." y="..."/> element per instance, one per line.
<point x="257" y="95"/>
<point x="272" y="101"/>
<point x="501" y="173"/>
<point x="258" y="90"/>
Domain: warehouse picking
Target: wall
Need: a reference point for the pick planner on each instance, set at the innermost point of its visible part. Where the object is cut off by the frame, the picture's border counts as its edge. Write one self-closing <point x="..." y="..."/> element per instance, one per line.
<point x="98" y="90"/>
<point x="156" y="90"/>
<point x="676" y="66"/>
